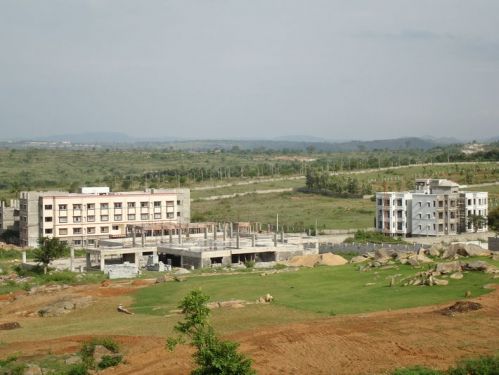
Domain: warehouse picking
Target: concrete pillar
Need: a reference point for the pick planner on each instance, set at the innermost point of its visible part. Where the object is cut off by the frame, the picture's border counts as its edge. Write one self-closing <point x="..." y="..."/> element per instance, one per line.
<point x="205" y="233"/>
<point x="143" y="238"/>
<point x="133" y="236"/>
<point x="24" y="256"/>
<point x="102" y="261"/>
<point x="187" y="234"/>
<point x="237" y="240"/>
<point x="282" y="236"/>
<point x="71" y="259"/>
<point x="253" y="240"/>
<point x="89" y="263"/>
<point x="275" y="239"/>
<point x="180" y="236"/>
<point x="214" y="232"/>
<point x="170" y="235"/>
<point x="231" y="230"/>
<point x="224" y="232"/>
<point x="268" y="228"/>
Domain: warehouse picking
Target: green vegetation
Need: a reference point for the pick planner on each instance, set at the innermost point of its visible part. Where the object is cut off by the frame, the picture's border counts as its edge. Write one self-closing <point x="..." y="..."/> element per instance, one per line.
<point x="213" y="355"/>
<point x="493" y="219"/>
<point x="340" y="289"/>
<point x="488" y="365"/>
<point x="332" y="185"/>
<point x="48" y="250"/>
<point x="362" y="236"/>
<point x="297" y="211"/>
<point x="88" y="349"/>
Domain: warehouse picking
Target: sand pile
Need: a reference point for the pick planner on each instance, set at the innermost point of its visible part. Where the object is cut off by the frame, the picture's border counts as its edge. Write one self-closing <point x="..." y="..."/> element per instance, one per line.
<point x="328" y="259"/>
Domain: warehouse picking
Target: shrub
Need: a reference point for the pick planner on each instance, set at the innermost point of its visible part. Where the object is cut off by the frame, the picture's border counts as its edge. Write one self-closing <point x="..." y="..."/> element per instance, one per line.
<point x="480" y="366"/>
<point x="249" y="263"/>
<point x="110" y="361"/>
<point x="88" y="348"/>
<point x="416" y="370"/>
<point x="78" y="369"/>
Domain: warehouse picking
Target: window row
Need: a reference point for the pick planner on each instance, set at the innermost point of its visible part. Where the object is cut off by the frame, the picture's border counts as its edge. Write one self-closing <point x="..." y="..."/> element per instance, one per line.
<point x="105" y="206"/>
<point x="117" y="217"/>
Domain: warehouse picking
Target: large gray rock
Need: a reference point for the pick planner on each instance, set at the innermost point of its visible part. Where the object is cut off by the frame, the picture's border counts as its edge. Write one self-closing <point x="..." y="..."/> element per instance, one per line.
<point x="100" y="352"/>
<point x="440" y="282"/>
<point x="435" y="250"/>
<point x="384" y="253"/>
<point x="413" y="261"/>
<point x="463" y="249"/>
<point x="449" y="267"/>
<point x="64" y="306"/>
<point x="456" y="276"/>
<point x="423" y="259"/>
<point x="358" y="259"/>
<point x="480" y="265"/>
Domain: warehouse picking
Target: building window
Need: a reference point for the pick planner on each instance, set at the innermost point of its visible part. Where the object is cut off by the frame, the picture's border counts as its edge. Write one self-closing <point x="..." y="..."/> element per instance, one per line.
<point x="131" y="204"/>
<point x="428" y="204"/>
<point x="115" y="227"/>
<point x="452" y="227"/>
<point x="118" y="205"/>
<point x="380" y="202"/>
<point x="440" y="227"/>
<point x="76" y="206"/>
<point x="118" y="217"/>
<point x="169" y="215"/>
<point x="76" y="242"/>
<point x="144" y="217"/>
<point x="419" y="227"/>
<point x="90" y="206"/>
<point x="144" y="204"/>
<point x="48" y="231"/>
<point x="469" y="202"/>
<point x="420" y="204"/>
<point x="63" y="207"/>
<point x="104" y="206"/>
<point x="91" y="218"/>
<point x="91" y="242"/>
<point x="90" y="230"/>
<point x="76" y="219"/>
<point x="169" y="203"/>
<point x="157" y="204"/>
<point x="179" y="203"/>
<point x="440" y="215"/>
<point x="48" y="219"/>
<point x="104" y="229"/>
<point x="428" y="216"/>
<point x="48" y="206"/>
<point x="76" y="230"/>
<point x="157" y="215"/>
<point x="131" y="216"/>
<point x="419" y="216"/>
<point x="63" y="219"/>
<point x="104" y="217"/>
<point x="63" y="231"/>
<point x="178" y="214"/>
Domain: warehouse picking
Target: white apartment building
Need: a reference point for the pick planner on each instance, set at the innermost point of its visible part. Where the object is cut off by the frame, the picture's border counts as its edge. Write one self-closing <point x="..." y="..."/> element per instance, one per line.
<point x="82" y="218"/>
<point x="393" y="213"/>
<point x="436" y="207"/>
<point x="475" y="203"/>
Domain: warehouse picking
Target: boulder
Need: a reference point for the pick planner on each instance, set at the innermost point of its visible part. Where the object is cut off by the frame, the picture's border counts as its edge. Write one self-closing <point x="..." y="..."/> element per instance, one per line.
<point x="478" y="265"/>
<point x="32" y="370"/>
<point x="384" y="253"/>
<point x="440" y="282"/>
<point x="449" y="267"/>
<point x="100" y="352"/>
<point x="9" y="326"/>
<point x="358" y="259"/>
<point x="413" y="261"/>
<point x="456" y="276"/>
<point x="495" y="255"/>
<point x="435" y="250"/>
<point x="472" y="251"/>
<point x="181" y="271"/>
<point x="403" y="254"/>
<point x="421" y="258"/>
<point x="449" y="253"/>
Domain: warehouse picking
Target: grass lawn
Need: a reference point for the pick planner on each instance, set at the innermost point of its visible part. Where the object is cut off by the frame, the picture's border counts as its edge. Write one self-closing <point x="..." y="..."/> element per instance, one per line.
<point x="322" y="290"/>
<point x="294" y="209"/>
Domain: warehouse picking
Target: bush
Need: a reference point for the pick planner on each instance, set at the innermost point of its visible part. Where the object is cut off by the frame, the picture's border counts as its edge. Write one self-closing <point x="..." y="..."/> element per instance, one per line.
<point x="249" y="263"/>
<point x="480" y="366"/>
<point x="78" y="369"/>
<point x="88" y="348"/>
<point x="416" y="370"/>
<point x="110" y="361"/>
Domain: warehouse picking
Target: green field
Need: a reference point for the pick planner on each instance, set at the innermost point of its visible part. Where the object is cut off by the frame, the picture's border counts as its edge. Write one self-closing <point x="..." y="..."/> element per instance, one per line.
<point x="296" y="210"/>
<point x="321" y="290"/>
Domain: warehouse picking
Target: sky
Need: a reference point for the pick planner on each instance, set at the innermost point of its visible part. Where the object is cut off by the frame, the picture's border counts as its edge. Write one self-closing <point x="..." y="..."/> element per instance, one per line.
<point x="232" y="69"/>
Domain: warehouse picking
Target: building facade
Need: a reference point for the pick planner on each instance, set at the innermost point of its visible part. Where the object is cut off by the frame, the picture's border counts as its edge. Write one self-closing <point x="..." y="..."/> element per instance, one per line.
<point x="9" y="216"/>
<point x="81" y="219"/>
<point x="435" y="208"/>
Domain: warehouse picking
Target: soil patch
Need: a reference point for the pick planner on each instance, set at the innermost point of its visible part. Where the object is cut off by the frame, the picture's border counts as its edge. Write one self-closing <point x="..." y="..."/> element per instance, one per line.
<point x="327" y="259"/>
<point x="461" y="307"/>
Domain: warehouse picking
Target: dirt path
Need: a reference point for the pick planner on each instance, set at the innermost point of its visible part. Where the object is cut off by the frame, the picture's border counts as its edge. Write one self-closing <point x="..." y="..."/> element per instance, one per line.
<point x="358" y="344"/>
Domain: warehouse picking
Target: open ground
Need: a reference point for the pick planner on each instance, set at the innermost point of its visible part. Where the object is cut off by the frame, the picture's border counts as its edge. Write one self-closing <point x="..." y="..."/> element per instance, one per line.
<point x="325" y="320"/>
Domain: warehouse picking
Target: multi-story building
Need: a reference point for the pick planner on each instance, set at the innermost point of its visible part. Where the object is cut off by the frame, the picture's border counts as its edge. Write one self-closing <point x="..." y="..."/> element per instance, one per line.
<point x="436" y="207"/>
<point x="393" y="213"/>
<point x="9" y="216"/>
<point x="473" y="203"/>
<point x="82" y="218"/>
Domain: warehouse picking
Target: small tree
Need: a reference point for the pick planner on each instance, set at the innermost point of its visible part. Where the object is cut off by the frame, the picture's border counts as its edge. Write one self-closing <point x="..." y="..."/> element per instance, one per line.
<point x="213" y="356"/>
<point x="477" y="221"/>
<point x="48" y="250"/>
<point x="493" y="219"/>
